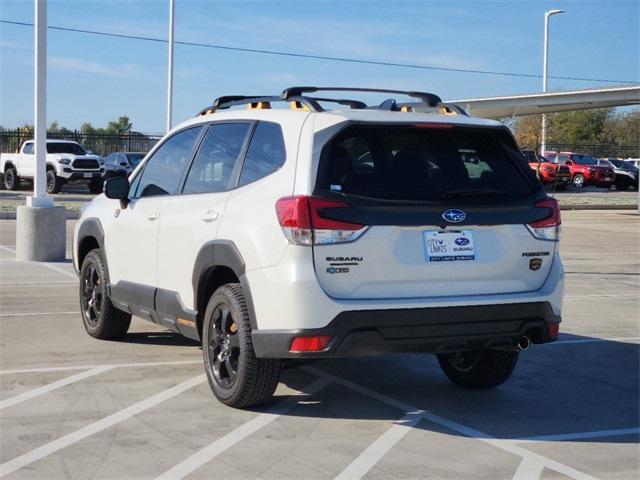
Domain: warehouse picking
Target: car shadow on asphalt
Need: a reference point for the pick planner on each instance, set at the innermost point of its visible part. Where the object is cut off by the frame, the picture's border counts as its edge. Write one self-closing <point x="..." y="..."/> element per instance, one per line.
<point x="159" y="338"/>
<point x="580" y="385"/>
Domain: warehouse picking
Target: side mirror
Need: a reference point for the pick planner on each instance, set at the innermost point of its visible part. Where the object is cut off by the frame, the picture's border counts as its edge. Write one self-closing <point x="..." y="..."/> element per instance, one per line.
<point x="124" y="164"/>
<point x="568" y="162"/>
<point x="117" y="188"/>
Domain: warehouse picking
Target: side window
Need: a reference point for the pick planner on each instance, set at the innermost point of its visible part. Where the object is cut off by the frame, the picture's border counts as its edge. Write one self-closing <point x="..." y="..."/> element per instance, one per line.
<point x="212" y="170"/>
<point x="108" y="160"/>
<point x="562" y="159"/>
<point x="28" y="148"/>
<point x="163" y="171"/>
<point x="265" y="154"/>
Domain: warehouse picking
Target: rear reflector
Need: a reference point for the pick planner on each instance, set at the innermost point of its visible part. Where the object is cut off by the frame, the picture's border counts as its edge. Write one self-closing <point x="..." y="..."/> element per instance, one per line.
<point x="547" y="228"/>
<point x="309" y="344"/>
<point x="554" y="329"/>
<point x="303" y="223"/>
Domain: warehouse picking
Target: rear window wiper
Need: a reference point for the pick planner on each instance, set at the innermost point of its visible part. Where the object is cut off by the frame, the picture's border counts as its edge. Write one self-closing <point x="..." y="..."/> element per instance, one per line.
<point x="471" y="192"/>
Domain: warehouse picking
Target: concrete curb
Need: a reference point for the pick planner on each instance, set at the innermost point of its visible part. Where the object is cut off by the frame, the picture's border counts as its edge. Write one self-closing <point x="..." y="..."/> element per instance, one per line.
<point x="12" y="215"/>
<point x="598" y="207"/>
<point x="76" y="215"/>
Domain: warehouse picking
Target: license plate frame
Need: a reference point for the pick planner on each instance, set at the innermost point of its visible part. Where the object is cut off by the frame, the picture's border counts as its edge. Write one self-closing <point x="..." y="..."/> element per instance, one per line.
<point x="88" y="175"/>
<point x="449" y="245"/>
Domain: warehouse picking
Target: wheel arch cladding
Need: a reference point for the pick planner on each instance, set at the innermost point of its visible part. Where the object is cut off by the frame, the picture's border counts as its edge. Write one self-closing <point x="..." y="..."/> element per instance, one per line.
<point x="90" y="236"/>
<point x="218" y="262"/>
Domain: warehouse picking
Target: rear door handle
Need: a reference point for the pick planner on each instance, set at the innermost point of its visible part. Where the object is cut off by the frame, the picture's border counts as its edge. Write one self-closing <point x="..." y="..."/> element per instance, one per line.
<point x="210" y="216"/>
<point x="154" y="216"/>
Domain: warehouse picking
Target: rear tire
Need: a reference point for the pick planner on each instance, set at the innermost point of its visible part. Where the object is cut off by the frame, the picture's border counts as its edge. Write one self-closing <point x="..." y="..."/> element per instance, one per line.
<point x="54" y="182"/>
<point x="479" y="369"/>
<point x="100" y="318"/>
<point x="236" y="376"/>
<point x="11" y="181"/>
<point x="578" y="180"/>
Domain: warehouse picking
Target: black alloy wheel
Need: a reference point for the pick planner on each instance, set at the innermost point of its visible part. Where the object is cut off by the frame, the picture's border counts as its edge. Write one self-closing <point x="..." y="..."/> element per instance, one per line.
<point x="224" y="346"/>
<point x="91" y="295"/>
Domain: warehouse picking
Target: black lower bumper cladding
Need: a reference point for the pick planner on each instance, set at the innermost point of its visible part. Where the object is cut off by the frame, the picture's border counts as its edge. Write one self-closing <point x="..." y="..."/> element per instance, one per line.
<point x="429" y="330"/>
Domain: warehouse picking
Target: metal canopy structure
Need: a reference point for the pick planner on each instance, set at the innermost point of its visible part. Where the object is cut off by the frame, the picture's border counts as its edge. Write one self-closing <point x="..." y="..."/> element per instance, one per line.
<point x="538" y="103"/>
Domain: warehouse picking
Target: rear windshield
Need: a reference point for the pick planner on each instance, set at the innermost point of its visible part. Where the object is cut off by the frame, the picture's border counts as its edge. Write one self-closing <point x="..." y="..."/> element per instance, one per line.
<point x="423" y="163"/>
<point x="134" y="158"/>
<point x="64" y="147"/>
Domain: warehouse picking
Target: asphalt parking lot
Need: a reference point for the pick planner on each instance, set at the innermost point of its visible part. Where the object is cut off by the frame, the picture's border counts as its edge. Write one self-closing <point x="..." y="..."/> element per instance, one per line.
<point x="75" y="407"/>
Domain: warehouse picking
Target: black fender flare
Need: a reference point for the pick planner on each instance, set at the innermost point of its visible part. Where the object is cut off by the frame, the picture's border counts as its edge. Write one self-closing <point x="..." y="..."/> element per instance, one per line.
<point x="90" y="227"/>
<point x="221" y="253"/>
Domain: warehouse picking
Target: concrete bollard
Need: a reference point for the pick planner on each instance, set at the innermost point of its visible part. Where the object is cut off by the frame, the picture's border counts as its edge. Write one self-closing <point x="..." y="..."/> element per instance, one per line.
<point x="41" y="234"/>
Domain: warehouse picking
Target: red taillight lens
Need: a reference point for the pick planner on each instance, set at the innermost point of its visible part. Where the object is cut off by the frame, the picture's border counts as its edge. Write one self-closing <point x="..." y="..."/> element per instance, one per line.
<point x="554" y="330"/>
<point x="547" y="228"/>
<point x="554" y="213"/>
<point x="303" y="223"/>
<point x="309" y="344"/>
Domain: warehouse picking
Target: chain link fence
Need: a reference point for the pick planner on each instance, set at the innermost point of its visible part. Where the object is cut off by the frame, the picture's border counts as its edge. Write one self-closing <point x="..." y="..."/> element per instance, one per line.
<point x="99" y="143"/>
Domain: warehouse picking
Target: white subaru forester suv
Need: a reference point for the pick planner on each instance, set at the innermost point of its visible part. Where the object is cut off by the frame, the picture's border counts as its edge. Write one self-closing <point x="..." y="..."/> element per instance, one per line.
<point x="304" y="232"/>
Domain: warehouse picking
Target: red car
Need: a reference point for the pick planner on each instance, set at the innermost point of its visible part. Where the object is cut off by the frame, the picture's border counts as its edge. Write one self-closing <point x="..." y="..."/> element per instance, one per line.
<point x="584" y="169"/>
<point x="547" y="172"/>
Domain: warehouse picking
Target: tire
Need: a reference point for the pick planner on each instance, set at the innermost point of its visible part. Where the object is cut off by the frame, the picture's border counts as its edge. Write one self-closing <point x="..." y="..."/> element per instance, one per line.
<point x="236" y="376"/>
<point x="11" y="181"/>
<point x="100" y="318"/>
<point x="54" y="182"/>
<point x="479" y="369"/>
<point x="578" y="180"/>
<point x="95" y="186"/>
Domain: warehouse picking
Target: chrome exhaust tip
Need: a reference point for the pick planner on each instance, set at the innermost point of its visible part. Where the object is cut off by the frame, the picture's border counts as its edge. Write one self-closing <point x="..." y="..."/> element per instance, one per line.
<point x="523" y="343"/>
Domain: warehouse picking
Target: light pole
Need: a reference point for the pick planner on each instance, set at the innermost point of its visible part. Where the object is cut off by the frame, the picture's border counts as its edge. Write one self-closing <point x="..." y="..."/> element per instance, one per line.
<point x="170" y="68"/>
<point x="547" y="14"/>
<point x="41" y="229"/>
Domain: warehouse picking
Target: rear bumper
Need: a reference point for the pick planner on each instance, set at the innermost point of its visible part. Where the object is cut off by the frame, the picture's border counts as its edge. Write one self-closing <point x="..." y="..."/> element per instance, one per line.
<point x="429" y="330"/>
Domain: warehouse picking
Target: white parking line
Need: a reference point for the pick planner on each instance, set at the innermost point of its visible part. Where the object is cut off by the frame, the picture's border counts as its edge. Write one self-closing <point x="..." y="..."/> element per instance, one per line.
<point x="112" y="365"/>
<point x="581" y="435"/>
<point x="506" y="445"/>
<point x="378" y="449"/>
<point x="604" y="295"/>
<point x="592" y="340"/>
<point x="214" y="449"/>
<point x="48" y="265"/>
<point x="528" y="470"/>
<point x="36" y="314"/>
<point x="51" y="386"/>
<point x="100" y="425"/>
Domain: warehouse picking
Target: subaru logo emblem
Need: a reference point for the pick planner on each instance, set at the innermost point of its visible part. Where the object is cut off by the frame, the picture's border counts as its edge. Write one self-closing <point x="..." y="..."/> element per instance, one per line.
<point x="462" y="241"/>
<point x="454" y="215"/>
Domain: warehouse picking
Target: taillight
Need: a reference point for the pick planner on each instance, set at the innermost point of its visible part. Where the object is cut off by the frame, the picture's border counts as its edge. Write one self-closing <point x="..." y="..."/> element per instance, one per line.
<point x="547" y="228"/>
<point x="303" y="223"/>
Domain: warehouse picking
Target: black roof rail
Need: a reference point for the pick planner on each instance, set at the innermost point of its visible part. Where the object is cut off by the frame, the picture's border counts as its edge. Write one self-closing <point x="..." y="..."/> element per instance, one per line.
<point x="429" y="99"/>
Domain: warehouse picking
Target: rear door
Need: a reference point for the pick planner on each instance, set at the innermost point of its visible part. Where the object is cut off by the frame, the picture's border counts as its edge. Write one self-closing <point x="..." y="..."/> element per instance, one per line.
<point x="446" y="209"/>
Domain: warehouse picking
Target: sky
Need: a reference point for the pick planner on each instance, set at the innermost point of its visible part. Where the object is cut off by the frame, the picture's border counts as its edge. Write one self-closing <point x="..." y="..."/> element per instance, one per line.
<point x="96" y="79"/>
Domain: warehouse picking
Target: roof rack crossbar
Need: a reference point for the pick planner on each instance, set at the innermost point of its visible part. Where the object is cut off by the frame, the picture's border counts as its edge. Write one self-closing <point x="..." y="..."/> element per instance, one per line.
<point x="429" y="99"/>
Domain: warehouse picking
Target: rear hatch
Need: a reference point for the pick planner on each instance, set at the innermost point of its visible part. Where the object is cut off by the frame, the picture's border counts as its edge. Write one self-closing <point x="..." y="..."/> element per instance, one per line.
<point x="435" y="210"/>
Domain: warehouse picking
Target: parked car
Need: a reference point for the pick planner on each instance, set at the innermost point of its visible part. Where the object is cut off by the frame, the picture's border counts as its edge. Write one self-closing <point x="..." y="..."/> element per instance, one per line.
<point x="67" y="162"/>
<point x="309" y="232"/>
<point x="633" y="161"/>
<point x="584" y="169"/>
<point x="121" y="163"/>
<point x="550" y="173"/>
<point x="626" y="174"/>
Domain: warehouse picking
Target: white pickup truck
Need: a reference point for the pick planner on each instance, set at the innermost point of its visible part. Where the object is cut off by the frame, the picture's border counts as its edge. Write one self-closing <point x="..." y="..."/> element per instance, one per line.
<point x="67" y="162"/>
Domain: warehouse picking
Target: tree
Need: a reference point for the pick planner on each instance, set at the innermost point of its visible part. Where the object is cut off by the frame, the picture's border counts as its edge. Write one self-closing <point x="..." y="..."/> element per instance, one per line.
<point x="123" y="125"/>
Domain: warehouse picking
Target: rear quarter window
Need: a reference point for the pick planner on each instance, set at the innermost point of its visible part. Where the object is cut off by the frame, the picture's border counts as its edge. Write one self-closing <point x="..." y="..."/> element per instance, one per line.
<point x="265" y="155"/>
